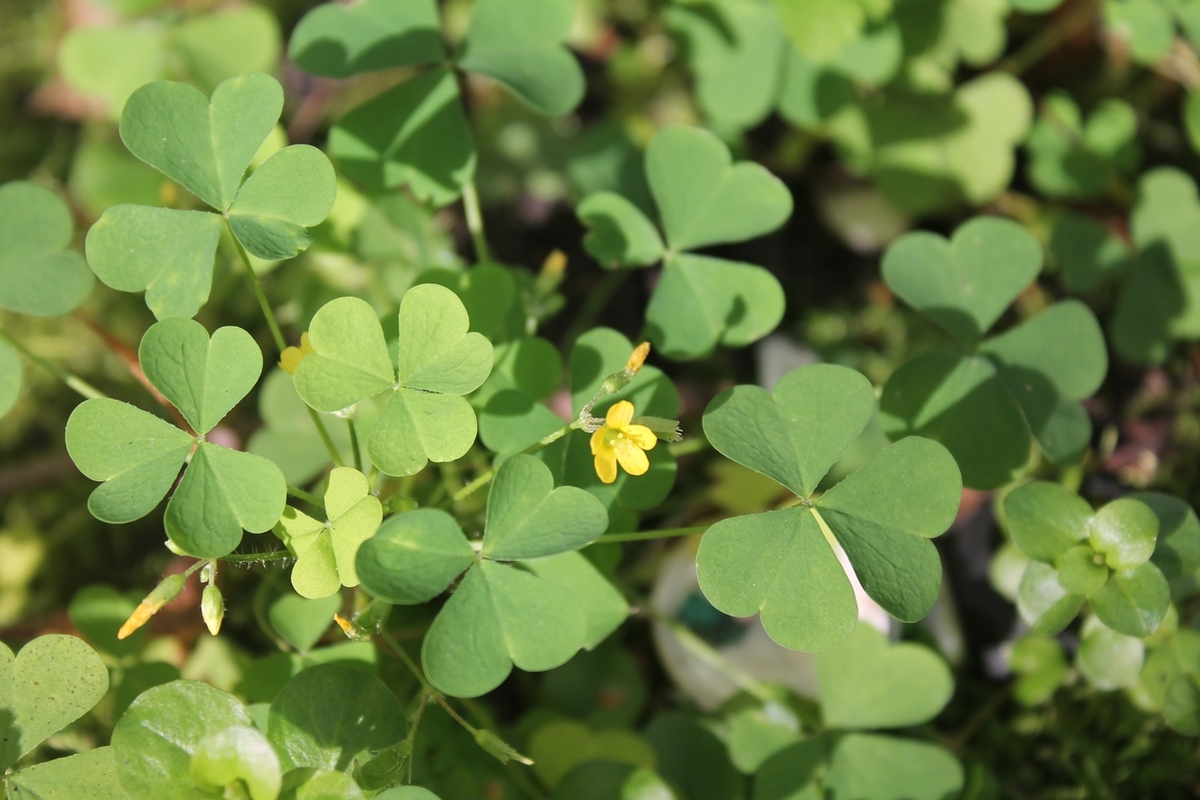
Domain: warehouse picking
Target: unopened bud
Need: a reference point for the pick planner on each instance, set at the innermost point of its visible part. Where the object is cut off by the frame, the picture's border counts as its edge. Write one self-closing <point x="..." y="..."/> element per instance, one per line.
<point x="164" y="593"/>
<point x="212" y="608"/>
<point x="291" y="357"/>
<point x="499" y="748"/>
<point x="637" y="358"/>
<point x="553" y="270"/>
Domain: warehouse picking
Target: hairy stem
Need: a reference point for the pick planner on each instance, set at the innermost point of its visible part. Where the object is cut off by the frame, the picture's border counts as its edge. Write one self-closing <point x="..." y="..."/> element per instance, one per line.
<point x="73" y="381"/>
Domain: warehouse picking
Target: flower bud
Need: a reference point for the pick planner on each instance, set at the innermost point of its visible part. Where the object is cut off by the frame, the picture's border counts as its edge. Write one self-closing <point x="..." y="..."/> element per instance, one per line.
<point x="637" y="358"/>
<point x="212" y="608"/>
<point x="164" y="593"/>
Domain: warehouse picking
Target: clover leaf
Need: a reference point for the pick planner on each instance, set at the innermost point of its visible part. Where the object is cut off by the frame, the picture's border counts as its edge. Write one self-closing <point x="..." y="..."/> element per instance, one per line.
<point x="1160" y="300"/>
<point x="425" y="417"/>
<point x="872" y="767"/>
<point x="137" y="455"/>
<point x="325" y="551"/>
<point x="206" y="146"/>
<point x="867" y="684"/>
<point x="91" y="774"/>
<point x="1026" y="383"/>
<point x="38" y="275"/>
<point x="532" y="616"/>
<point x="1071" y="158"/>
<point x="882" y="515"/>
<point x="703" y="199"/>
<point x="1101" y="557"/>
<point x="338" y="41"/>
<point x="53" y="681"/>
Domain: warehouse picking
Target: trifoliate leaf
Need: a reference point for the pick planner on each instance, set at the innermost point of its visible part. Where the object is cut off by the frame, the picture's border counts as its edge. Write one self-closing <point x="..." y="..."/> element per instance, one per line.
<point x="519" y="43"/>
<point x="620" y="235"/>
<point x="38" y="275"/>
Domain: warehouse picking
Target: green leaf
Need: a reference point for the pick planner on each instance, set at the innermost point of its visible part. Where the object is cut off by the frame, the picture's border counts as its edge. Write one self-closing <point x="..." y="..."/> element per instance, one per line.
<point x="866" y="684"/>
<point x="603" y="605"/>
<point x="302" y="621"/>
<point x="338" y="41"/>
<point x="528" y="518"/>
<point x="704" y="198"/>
<point x="1073" y="159"/>
<point x="964" y="283"/>
<point x="414" y="134"/>
<point x="620" y="234"/>
<point x="164" y="252"/>
<point x="735" y="48"/>
<point x="1181" y="708"/>
<point x="203" y="378"/>
<point x="1108" y="659"/>
<point x="1081" y="570"/>
<point x="204" y="145"/>
<point x="135" y="454"/>
<point x="10" y="378"/>
<point x="795" y="433"/>
<point x="108" y="63"/>
<point x="821" y="28"/>
<point x="1177" y="551"/>
<point x="692" y="758"/>
<point x="226" y="43"/>
<point x="350" y="362"/>
<point x="38" y="275"/>
<point x="1125" y="532"/>
<point x="293" y="191"/>
<point x="53" y="681"/>
<point x="880" y="515"/>
<point x="331" y="716"/>
<point x="557" y="747"/>
<point x="223" y="492"/>
<point x="702" y="301"/>
<point x="489" y="293"/>
<point x="759" y="732"/>
<point x="91" y="774"/>
<point x="869" y="767"/>
<point x="519" y="44"/>
<point x="437" y="354"/>
<point x="413" y="557"/>
<point x="1045" y="520"/>
<point x="153" y="743"/>
<point x="239" y="756"/>
<point x="802" y="593"/>
<point x="1045" y="605"/>
<point x="1145" y="25"/>
<point x="1040" y="662"/>
<point x="325" y="551"/>
<point x="417" y="427"/>
<point x="288" y="436"/>
<point x="1134" y="601"/>
<point x="532" y="366"/>
<point x="1086" y="251"/>
<point x="321" y="784"/>
<point x="946" y="395"/>
<point x="511" y="617"/>
<point x="793" y="773"/>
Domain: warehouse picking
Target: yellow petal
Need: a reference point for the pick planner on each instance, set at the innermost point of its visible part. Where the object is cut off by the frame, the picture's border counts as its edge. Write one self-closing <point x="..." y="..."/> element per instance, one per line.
<point x="606" y="465"/>
<point x="598" y="440"/>
<point x="306" y="345"/>
<point x="640" y="435"/>
<point x="619" y="415"/>
<point x="290" y="359"/>
<point x="631" y="457"/>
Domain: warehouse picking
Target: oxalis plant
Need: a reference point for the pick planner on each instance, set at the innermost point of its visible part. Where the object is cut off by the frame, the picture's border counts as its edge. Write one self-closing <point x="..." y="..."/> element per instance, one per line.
<point x="463" y="504"/>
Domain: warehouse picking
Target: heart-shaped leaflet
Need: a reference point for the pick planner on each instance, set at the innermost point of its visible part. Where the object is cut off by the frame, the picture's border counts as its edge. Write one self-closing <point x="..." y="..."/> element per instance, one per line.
<point x="964" y="283"/>
<point x="337" y="41"/>
<point x="37" y="274"/>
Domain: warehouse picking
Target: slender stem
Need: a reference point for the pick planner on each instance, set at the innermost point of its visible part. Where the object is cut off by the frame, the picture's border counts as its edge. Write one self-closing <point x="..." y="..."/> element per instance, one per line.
<point x="254" y="558"/>
<point x="703" y="651"/>
<point x="486" y="477"/>
<point x="307" y="497"/>
<point x="597" y="299"/>
<point x="645" y="535"/>
<point x="412" y="667"/>
<point x="263" y="303"/>
<point x="354" y="444"/>
<point x="1050" y="37"/>
<point x="334" y="455"/>
<point x="78" y="384"/>
<point x="475" y="223"/>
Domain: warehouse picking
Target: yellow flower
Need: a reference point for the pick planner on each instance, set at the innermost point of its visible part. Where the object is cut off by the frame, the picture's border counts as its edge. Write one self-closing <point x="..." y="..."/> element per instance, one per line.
<point x="619" y="442"/>
<point x="290" y="358"/>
